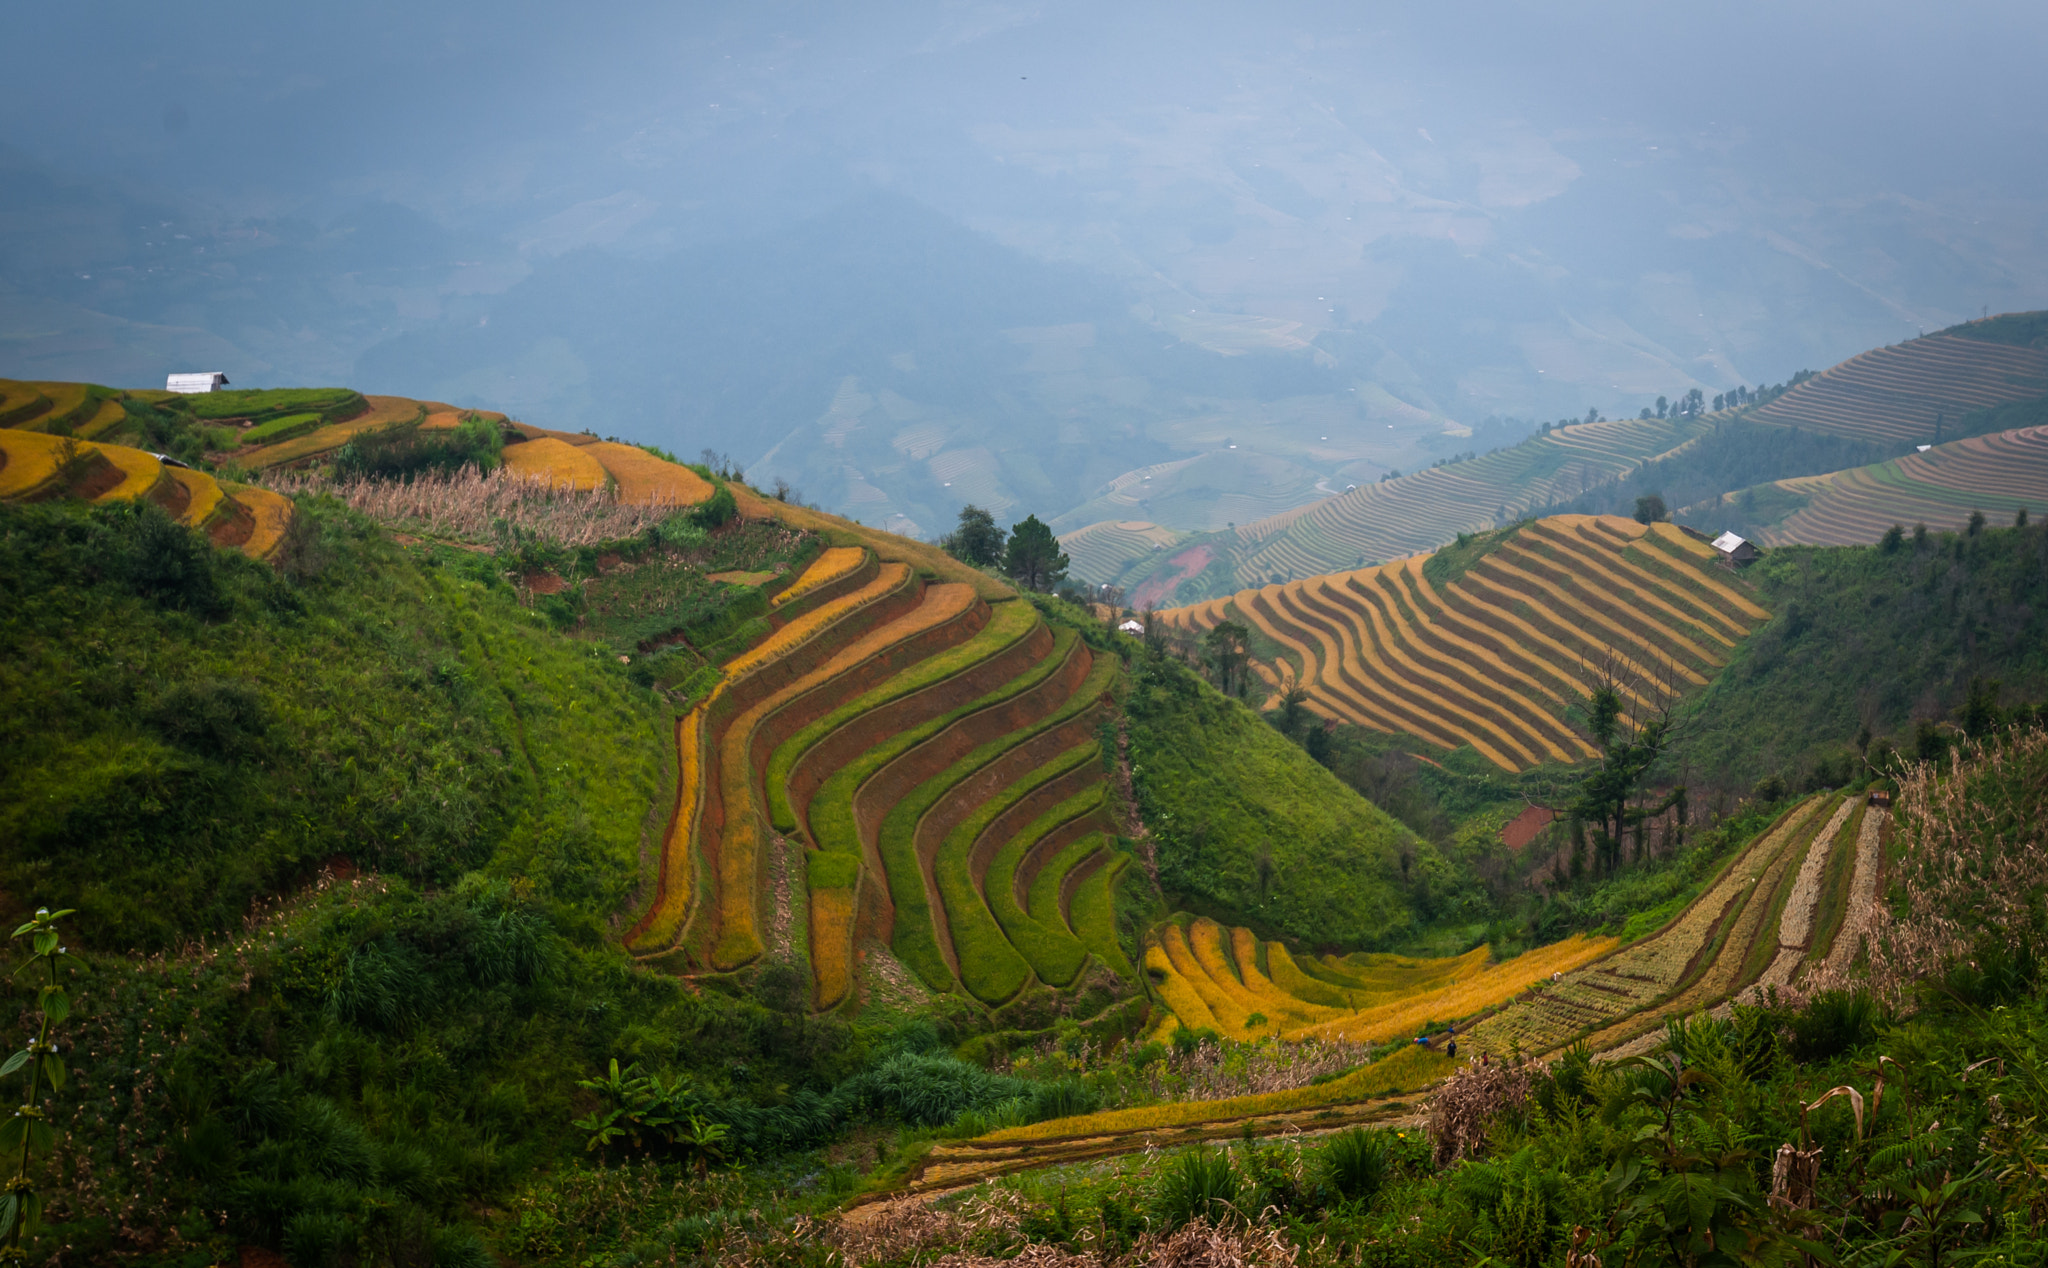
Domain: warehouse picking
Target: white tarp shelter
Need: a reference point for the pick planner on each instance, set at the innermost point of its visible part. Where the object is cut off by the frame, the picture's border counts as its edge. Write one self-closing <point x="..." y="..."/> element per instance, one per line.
<point x="1736" y="548"/>
<point x="206" y="381"/>
<point x="1132" y="627"/>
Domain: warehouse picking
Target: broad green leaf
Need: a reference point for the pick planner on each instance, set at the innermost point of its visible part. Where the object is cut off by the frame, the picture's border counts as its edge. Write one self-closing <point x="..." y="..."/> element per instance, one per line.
<point x="42" y="1138"/>
<point x="46" y="941"/>
<point x="56" y="1003"/>
<point x="12" y="1130"/>
<point x="10" y="1206"/>
<point x="53" y="1070"/>
<point x="14" y="1063"/>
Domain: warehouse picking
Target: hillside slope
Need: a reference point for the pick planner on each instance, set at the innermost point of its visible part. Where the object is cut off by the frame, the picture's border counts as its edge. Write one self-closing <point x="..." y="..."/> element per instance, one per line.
<point x="1958" y="383"/>
<point x="1997" y="475"/>
<point x="1909" y="391"/>
<point x="1495" y="644"/>
<point x="1401" y="516"/>
<point x="1868" y="638"/>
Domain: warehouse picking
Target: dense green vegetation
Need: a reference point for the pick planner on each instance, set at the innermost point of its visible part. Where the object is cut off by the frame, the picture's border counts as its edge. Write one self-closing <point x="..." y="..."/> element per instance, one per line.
<point x="1635" y="1162"/>
<point x="380" y="821"/>
<point x="1865" y="643"/>
<point x="1252" y="834"/>
<point x="184" y="731"/>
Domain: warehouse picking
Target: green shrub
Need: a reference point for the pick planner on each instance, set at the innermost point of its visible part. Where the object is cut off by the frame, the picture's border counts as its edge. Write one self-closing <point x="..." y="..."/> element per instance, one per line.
<point x="927" y="1089"/>
<point x="213" y="717"/>
<point x="1832" y="1023"/>
<point x="1357" y="1162"/>
<point x="1200" y="1184"/>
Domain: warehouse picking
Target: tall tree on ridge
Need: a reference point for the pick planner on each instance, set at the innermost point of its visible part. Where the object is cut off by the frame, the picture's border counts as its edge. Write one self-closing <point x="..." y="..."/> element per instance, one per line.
<point x="1035" y="560"/>
<point x="977" y="540"/>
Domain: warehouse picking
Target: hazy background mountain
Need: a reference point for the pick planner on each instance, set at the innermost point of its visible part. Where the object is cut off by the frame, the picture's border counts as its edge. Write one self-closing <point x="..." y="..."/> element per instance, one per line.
<point x="907" y="255"/>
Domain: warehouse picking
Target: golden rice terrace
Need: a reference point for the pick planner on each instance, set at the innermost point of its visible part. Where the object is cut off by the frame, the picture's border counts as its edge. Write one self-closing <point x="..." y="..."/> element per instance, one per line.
<point x="1496" y="655"/>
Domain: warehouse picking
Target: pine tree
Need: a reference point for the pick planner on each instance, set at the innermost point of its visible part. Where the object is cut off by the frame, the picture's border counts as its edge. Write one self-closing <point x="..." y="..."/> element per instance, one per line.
<point x="1034" y="560"/>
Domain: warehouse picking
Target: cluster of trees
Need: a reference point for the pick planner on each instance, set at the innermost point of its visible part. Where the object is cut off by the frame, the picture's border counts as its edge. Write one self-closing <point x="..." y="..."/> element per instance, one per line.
<point x="1029" y="554"/>
<point x="1741" y="396"/>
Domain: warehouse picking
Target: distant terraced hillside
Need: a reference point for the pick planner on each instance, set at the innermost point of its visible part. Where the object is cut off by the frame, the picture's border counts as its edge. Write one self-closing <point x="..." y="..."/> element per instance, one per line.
<point x="1909" y="391"/>
<point x="922" y="744"/>
<point x="1924" y="391"/>
<point x="1998" y="475"/>
<point x="1105" y="549"/>
<point x="1497" y="655"/>
<point x="1402" y="516"/>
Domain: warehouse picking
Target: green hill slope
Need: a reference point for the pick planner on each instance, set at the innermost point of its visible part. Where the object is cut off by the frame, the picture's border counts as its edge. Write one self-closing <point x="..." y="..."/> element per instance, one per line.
<point x="1869" y="638"/>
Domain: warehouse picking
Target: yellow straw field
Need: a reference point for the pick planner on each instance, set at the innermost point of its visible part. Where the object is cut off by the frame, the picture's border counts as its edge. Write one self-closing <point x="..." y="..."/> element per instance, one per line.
<point x="646" y="480"/>
<point x="559" y="465"/>
<point x="827" y="567"/>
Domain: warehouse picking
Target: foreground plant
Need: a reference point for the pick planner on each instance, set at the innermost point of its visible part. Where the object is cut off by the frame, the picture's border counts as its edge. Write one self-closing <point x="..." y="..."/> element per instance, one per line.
<point x="28" y="1133"/>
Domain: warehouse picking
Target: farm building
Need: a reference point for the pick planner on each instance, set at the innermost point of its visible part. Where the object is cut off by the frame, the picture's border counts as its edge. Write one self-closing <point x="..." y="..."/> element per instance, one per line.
<point x="1736" y="548"/>
<point x="191" y="384"/>
<point x="1133" y="627"/>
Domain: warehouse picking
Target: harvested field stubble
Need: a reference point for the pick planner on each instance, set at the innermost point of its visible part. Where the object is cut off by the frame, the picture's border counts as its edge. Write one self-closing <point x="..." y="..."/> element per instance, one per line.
<point x="555" y="464"/>
<point x="645" y="480"/>
<point x="1636" y="985"/>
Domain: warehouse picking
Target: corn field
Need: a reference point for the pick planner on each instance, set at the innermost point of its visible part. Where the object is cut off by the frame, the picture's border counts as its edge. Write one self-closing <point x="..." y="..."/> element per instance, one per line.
<point x="483" y="508"/>
<point x="1977" y="856"/>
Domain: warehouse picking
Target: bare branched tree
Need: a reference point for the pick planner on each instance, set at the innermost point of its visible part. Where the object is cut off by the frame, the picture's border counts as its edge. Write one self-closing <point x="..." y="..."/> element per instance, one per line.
<point x="1632" y="715"/>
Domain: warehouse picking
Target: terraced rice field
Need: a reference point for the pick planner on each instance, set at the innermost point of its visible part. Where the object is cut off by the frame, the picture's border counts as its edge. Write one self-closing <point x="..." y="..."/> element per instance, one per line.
<point x="1997" y="475"/>
<point x="252" y="519"/>
<point x="1720" y="944"/>
<point x="933" y="754"/>
<point x="1494" y="659"/>
<point x="556" y="463"/>
<point x="1613" y="1000"/>
<point x="1103" y="551"/>
<point x="385" y="413"/>
<point x="1230" y="982"/>
<point x="1425" y="509"/>
<point x="1897" y="393"/>
<point x="645" y="480"/>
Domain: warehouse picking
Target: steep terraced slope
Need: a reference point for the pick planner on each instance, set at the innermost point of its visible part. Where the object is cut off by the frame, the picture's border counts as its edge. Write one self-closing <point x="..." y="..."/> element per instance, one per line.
<point x="1497" y="658"/>
<point x="1998" y="475"/>
<point x="1105" y="550"/>
<point x="1907" y="391"/>
<point x="1415" y="512"/>
<point x="1229" y="981"/>
<point x="36" y="465"/>
<point x="925" y="743"/>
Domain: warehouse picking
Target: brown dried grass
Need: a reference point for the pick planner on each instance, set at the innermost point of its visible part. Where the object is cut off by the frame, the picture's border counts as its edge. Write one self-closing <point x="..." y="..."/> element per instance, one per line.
<point x="1465" y="1107"/>
<point x="472" y="506"/>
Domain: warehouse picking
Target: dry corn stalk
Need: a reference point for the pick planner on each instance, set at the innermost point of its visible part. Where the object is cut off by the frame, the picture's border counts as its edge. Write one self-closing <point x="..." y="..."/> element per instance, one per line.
<point x="1467" y="1104"/>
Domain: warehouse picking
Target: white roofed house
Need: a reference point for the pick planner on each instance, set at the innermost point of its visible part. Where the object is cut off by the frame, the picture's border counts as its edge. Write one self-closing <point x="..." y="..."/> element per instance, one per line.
<point x="1737" y="549"/>
<point x="1133" y="626"/>
<point x="191" y="384"/>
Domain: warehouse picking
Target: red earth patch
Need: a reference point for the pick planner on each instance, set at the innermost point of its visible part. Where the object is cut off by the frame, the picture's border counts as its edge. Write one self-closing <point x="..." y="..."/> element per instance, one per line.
<point x="1523" y="828"/>
<point x="1161" y="585"/>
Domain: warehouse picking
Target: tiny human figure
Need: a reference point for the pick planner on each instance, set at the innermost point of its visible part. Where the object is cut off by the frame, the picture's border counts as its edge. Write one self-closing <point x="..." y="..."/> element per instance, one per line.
<point x="1451" y="1049"/>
